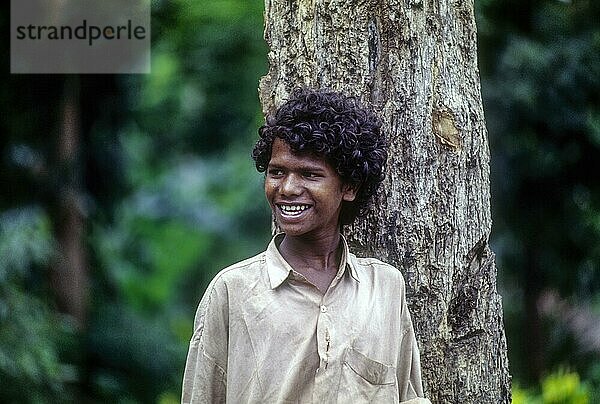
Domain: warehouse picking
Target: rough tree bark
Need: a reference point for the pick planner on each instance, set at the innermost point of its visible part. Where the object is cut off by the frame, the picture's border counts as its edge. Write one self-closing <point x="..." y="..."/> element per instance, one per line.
<point x="415" y="63"/>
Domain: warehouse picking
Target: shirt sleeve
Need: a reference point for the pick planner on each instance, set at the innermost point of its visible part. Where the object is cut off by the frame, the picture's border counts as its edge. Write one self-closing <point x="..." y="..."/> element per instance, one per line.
<point x="408" y="368"/>
<point x="205" y="375"/>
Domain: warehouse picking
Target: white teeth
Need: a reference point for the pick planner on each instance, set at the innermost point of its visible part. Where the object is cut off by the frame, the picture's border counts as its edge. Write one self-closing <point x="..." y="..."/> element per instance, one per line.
<point x="293" y="209"/>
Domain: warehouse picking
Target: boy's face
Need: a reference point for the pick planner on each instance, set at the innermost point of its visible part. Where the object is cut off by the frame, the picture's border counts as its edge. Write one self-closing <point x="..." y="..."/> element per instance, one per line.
<point x="305" y="192"/>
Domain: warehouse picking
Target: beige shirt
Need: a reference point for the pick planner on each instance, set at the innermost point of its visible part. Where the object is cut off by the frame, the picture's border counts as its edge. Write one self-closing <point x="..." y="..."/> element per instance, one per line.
<point x="264" y="334"/>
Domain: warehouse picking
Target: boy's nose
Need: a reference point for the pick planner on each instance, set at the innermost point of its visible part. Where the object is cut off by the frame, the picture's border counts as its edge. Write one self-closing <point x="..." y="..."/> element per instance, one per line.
<point x="290" y="185"/>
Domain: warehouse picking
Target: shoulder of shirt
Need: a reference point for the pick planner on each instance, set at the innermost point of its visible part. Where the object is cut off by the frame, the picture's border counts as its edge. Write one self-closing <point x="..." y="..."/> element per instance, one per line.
<point x="373" y="263"/>
<point x="383" y="269"/>
<point x="245" y="271"/>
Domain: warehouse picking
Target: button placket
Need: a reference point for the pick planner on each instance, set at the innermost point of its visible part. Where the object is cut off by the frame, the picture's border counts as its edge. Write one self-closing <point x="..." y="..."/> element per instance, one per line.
<point x="323" y="335"/>
<point x="323" y="374"/>
<point x="327" y="341"/>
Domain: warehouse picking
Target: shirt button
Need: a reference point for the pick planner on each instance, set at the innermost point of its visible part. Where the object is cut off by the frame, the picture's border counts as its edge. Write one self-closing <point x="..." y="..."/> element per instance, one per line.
<point x="323" y="309"/>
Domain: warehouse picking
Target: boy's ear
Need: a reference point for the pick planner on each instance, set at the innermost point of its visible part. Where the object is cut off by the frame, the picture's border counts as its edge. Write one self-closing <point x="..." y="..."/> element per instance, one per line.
<point x="349" y="192"/>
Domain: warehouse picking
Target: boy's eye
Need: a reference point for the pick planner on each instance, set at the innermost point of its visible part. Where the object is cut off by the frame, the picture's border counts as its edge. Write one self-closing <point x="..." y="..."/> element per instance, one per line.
<point x="275" y="171"/>
<point x="309" y="174"/>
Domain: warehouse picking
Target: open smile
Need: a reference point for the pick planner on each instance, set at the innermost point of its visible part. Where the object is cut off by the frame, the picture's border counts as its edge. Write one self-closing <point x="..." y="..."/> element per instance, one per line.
<point x="292" y="210"/>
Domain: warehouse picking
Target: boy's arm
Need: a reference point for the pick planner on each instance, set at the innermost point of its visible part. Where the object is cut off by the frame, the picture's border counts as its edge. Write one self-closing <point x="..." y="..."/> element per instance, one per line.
<point x="205" y="377"/>
<point x="408" y="368"/>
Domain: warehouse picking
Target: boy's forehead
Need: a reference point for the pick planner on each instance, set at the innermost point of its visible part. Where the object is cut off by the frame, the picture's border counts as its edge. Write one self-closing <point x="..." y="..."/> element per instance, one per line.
<point x="281" y="148"/>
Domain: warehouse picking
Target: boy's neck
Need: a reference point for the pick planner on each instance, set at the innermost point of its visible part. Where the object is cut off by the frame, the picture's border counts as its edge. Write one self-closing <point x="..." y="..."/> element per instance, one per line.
<point x="318" y="253"/>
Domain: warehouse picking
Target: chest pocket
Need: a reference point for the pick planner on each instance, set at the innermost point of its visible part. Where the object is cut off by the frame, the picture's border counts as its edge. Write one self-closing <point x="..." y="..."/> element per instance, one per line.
<point x="364" y="380"/>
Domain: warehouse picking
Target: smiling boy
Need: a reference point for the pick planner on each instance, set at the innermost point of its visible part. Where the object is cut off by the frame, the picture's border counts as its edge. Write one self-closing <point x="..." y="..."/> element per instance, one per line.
<point x="306" y="321"/>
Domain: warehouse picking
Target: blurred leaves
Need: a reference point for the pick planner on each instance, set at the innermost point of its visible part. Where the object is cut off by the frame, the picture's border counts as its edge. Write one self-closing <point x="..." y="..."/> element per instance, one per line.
<point x="564" y="388"/>
<point x="33" y="336"/>
<point x="135" y="356"/>
<point x="170" y="196"/>
<point x="25" y="240"/>
<point x="540" y="70"/>
<point x="206" y="60"/>
<point x="194" y="201"/>
<point x="560" y="387"/>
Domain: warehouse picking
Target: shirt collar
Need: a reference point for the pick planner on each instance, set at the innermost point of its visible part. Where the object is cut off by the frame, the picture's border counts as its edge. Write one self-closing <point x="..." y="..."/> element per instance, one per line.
<point x="279" y="269"/>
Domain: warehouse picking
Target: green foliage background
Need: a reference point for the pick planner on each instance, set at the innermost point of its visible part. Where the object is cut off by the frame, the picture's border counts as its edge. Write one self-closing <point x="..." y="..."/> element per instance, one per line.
<point x="170" y="197"/>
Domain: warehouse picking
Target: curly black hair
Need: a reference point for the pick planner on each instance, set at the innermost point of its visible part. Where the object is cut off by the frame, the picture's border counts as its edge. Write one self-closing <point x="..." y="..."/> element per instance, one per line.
<point x="334" y="126"/>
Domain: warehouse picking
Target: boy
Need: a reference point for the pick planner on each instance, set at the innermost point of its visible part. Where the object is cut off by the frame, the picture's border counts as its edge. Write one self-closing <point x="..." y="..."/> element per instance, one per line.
<point x="306" y="321"/>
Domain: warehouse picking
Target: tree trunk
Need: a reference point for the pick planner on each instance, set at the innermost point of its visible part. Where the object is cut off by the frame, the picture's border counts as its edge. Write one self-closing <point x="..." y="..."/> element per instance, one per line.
<point x="69" y="274"/>
<point x="415" y="63"/>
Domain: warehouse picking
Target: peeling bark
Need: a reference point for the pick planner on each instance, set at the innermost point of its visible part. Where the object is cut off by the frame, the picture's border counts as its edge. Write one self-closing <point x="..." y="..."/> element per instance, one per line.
<point x="415" y="63"/>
